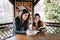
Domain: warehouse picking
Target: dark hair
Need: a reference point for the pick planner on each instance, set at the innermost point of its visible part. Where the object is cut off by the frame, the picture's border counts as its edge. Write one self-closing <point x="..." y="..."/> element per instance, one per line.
<point x="36" y="15"/>
<point x="24" y="11"/>
<point x="39" y="23"/>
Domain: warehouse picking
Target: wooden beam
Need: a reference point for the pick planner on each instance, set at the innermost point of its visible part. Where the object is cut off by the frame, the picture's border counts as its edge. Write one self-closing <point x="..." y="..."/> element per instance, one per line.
<point x="35" y="2"/>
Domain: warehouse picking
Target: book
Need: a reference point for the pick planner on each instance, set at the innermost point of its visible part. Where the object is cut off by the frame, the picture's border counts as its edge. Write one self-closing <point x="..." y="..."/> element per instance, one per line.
<point x="41" y="28"/>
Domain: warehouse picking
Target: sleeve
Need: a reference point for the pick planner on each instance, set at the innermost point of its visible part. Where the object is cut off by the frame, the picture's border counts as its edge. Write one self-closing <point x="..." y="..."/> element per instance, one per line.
<point x="14" y="28"/>
<point x="42" y="23"/>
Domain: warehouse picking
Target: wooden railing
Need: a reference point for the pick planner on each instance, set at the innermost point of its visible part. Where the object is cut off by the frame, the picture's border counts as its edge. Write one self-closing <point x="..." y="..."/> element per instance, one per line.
<point x="6" y="30"/>
<point x="52" y="24"/>
<point x="2" y="26"/>
<point x="52" y="27"/>
<point x="6" y="26"/>
<point x="6" y="23"/>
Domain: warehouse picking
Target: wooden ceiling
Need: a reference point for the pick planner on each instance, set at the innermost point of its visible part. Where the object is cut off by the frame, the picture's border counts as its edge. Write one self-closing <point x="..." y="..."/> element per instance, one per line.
<point x="24" y="0"/>
<point x="33" y="1"/>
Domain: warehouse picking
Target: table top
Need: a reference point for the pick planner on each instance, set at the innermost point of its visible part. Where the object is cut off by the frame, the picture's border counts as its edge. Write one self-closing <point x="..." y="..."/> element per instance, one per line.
<point x="40" y="36"/>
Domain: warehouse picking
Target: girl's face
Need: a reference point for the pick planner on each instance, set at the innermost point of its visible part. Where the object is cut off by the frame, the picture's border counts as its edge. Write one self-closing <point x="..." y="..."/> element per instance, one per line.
<point x="25" y="16"/>
<point x="37" y="18"/>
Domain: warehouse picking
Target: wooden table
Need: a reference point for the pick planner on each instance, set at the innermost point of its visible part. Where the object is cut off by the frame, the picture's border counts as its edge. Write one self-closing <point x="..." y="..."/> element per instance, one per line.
<point x="40" y="36"/>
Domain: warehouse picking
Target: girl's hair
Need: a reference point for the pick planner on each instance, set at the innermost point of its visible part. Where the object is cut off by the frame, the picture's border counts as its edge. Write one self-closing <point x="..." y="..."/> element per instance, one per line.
<point x="39" y="22"/>
<point x="36" y="15"/>
<point x="24" y="11"/>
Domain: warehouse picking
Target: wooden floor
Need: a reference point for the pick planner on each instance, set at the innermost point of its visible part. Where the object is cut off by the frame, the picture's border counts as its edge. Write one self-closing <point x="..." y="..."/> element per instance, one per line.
<point x="40" y="36"/>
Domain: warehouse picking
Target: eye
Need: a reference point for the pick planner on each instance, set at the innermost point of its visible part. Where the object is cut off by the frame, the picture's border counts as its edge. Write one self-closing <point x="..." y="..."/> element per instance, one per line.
<point x="26" y="15"/>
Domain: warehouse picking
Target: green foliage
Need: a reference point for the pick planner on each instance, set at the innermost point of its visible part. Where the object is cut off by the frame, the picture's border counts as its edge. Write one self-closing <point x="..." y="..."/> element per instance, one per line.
<point x="52" y="10"/>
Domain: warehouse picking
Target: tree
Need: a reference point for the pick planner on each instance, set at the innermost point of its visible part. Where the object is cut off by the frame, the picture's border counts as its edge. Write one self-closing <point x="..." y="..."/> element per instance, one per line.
<point x="52" y="10"/>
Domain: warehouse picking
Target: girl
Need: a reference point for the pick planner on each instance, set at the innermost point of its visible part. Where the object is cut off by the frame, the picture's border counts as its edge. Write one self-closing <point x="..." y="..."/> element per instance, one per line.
<point x="21" y="22"/>
<point x="37" y="23"/>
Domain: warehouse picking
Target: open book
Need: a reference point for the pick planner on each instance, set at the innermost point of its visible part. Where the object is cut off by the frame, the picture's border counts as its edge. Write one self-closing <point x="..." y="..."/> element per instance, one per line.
<point x="34" y="32"/>
<point x="41" y="28"/>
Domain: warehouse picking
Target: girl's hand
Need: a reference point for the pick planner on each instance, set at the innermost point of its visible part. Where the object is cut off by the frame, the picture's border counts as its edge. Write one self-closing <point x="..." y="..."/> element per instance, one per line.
<point x="29" y="32"/>
<point x="43" y="30"/>
<point x="36" y="22"/>
<point x="34" y="28"/>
